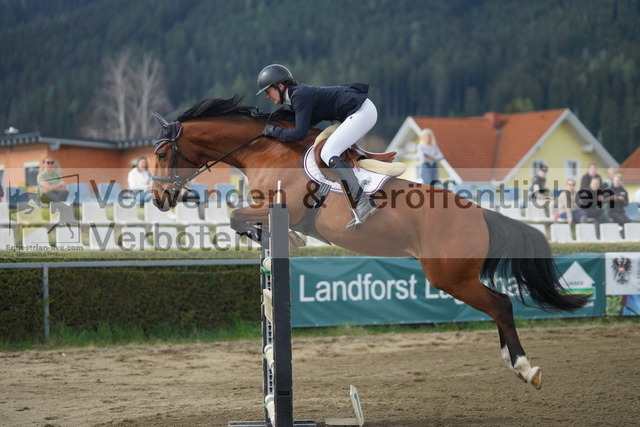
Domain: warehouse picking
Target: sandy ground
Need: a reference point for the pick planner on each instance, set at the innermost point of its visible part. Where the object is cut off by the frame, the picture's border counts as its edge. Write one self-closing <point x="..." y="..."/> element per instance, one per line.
<point x="590" y="378"/>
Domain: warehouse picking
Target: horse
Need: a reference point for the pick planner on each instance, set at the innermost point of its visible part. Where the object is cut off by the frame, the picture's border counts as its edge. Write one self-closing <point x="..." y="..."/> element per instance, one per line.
<point x="457" y="242"/>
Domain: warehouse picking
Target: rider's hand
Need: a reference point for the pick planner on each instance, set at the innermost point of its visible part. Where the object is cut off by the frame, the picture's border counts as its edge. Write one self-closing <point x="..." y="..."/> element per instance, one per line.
<point x="268" y="130"/>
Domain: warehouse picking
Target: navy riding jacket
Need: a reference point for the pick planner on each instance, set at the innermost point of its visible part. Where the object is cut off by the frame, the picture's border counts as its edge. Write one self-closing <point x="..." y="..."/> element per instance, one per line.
<point x="313" y="104"/>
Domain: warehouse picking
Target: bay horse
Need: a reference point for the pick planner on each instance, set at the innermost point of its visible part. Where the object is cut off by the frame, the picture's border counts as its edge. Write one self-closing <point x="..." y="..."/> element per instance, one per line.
<point x="457" y="242"/>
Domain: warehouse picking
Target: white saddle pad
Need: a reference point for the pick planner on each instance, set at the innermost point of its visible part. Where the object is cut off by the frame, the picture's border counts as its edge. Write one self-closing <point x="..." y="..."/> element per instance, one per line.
<point x="370" y="181"/>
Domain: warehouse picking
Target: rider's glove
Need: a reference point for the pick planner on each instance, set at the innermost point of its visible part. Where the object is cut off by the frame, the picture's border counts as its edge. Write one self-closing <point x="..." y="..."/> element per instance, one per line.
<point x="268" y="130"/>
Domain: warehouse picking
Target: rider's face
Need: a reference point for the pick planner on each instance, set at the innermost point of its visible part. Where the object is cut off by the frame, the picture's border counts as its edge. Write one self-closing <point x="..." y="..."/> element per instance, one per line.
<point x="273" y="94"/>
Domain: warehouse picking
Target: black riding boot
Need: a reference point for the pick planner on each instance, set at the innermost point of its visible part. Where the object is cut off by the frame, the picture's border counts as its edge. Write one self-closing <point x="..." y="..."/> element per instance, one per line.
<point x="362" y="206"/>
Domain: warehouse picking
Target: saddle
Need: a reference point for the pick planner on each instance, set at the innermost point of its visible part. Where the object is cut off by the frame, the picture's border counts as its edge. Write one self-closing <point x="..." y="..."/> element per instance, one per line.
<point x="357" y="157"/>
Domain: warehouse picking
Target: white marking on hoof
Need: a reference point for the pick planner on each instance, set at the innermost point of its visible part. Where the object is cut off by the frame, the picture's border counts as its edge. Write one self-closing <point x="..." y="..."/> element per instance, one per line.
<point x="531" y="375"/>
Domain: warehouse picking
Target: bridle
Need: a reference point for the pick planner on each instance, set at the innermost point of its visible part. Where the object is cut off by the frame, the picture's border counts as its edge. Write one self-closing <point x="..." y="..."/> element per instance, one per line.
<point x="170" y="134"/>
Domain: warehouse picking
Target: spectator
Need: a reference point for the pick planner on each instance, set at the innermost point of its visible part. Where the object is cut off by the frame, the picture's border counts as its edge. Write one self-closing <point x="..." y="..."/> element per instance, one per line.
<point x="429" y="155"/>
<point x="636" y="197"/>
<point x="566" y="203"/>
<point x="139" y="180"/>
<point x="51" y="186"/>
<point x="592" y="172"/>
<point x="618" y="201"/>
<point x="539" y="190"/>
<point x="589" y="203"/>
<point x="611" y="172"/>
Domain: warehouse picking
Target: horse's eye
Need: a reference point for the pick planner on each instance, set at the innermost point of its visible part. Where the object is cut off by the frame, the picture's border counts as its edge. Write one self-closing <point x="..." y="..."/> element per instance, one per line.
<point x="162" y="156"/>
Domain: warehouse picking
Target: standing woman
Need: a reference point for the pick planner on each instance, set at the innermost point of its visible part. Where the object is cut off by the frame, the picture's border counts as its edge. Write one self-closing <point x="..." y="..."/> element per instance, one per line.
<point x="429" y="155"/>
<point x="348" y="104"/>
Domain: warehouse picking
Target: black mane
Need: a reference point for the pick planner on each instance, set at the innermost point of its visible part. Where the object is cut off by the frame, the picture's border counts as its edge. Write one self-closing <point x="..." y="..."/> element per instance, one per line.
<point x="215" y="107"/>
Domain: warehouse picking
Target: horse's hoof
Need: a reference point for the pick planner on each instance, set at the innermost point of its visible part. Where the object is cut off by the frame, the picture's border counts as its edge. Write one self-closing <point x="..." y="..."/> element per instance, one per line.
<point x="536" y="377"/>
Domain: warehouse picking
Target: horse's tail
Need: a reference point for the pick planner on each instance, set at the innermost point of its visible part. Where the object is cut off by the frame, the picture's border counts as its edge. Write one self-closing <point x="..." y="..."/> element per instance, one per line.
<point x="522" y="252"/>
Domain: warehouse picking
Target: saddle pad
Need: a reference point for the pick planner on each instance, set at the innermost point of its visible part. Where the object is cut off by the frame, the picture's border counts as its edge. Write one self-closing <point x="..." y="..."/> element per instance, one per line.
<point x="371" y="182"/>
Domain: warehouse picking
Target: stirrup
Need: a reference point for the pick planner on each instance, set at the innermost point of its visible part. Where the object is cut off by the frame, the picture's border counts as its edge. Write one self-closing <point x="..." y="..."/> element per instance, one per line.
<point x="356" y="222"/>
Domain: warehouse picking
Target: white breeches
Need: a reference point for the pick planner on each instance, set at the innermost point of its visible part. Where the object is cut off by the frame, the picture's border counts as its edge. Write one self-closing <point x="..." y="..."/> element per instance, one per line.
<point x="350" y="131"/>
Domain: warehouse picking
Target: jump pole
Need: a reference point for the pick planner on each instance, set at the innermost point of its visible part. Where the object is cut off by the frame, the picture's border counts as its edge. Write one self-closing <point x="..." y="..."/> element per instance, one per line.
<point x="276" y="326"/>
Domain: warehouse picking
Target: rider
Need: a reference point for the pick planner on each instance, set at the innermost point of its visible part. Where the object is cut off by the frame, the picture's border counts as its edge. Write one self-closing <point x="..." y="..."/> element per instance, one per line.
<point x="348" y="104"/>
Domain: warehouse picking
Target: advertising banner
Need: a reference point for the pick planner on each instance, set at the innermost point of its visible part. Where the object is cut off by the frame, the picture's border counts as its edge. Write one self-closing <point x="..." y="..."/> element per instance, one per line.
<point x="373" y="291"/>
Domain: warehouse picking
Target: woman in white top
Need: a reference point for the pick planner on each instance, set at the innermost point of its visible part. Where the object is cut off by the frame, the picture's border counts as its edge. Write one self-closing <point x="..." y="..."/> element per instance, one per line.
<point x="139" y="177"/>
<point x="139" y="180"/>
<point x="429" y="155"/>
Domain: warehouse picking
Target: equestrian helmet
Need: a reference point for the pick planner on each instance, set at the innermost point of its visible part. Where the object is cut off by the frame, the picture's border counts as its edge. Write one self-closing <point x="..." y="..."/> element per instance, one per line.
<point x="271" y="75"/>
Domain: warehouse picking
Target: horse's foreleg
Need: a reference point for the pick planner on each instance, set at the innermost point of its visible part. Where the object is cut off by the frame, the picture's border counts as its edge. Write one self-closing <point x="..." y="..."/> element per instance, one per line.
<point x="497" y="305"/>
<point x="243" y="219"/>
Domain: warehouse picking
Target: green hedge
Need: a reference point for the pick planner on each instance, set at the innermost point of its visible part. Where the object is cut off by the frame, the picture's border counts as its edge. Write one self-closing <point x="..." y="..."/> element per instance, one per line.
<point x="202" y="297"/>
<point x="21" y="306"/>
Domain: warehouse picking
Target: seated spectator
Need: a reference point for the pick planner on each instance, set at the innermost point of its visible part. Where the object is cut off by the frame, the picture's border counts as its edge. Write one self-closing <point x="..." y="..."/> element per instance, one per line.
<point x="139" y="180"/>
<point x="592" y="172"/>
<point x="566" y="203"/>
<point x="618" y="201"/>
<point x="611" y="172"/>
<point x="589" y="203"/>
<point x="51" y="186"/>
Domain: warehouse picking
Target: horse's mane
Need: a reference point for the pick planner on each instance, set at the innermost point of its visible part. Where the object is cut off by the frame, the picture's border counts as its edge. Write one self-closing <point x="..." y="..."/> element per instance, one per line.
<point x="214" y="107"/>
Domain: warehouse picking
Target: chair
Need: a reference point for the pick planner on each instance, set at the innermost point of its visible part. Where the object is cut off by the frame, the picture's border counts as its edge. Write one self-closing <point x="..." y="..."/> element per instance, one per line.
<point x="165" y="238"/>
<point x="226" y="238"/>
<point x="69" y="237"/>
<point x="102" y="238"/>
<point x="540" y="227"/>
<point x="197" y="237"/>
<point x="79" y="192"/>
<point x="5" y="219"/>
<point x="537" y="213"/>
<point x="132" y="238"/>
<point x="109" y="192"/>
<point x="227" y="194"/>
<point x="188" y="213"/>
<point x="216" y="214"/>
<point x="7" y="238"/>
<point x="12" y="195"/>
<point x="586" y="233"/>
<point x="36" y="239"/>
<point x="633" y="211"/>
<point x="508" y="196"/>
<point x="561" y="233"/>
<point x="610" y="232"/>
<point x="632" y="232"/>
<point x="126" y="213"/>
<point x="93" y="213"/>
<point x="153" y="215"/>
<point x="512" y="212"/>
<point x="200" y="190"/>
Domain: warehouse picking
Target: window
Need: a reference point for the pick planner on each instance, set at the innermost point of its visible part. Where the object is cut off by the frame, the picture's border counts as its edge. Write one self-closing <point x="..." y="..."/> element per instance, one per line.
<point x="537" y="164"/>
<point x="31" y="175"/>
<point x="571" y="168"/>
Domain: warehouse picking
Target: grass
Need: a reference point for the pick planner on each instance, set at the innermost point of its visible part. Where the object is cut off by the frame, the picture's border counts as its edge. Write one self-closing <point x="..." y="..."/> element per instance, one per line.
<point x="105" y="335"/>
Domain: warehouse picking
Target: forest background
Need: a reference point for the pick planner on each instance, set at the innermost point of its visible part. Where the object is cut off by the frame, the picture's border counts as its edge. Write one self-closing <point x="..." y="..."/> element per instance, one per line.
<point x="61" y="59"/>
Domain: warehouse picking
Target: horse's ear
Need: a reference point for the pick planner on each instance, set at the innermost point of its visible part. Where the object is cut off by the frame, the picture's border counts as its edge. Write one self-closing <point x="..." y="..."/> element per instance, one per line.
<point x="161" y="121"/>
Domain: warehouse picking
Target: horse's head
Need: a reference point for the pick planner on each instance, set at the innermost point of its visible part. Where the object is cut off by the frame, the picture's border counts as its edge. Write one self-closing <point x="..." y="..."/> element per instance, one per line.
<point x="173" y="169"/>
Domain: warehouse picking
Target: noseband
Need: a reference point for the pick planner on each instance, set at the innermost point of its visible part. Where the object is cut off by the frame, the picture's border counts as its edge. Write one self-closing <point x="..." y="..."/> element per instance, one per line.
<point x="169" y="135"/>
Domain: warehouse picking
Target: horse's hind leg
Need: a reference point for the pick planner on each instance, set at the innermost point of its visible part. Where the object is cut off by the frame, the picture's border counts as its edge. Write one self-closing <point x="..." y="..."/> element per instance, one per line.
<point x="497" y="305"/>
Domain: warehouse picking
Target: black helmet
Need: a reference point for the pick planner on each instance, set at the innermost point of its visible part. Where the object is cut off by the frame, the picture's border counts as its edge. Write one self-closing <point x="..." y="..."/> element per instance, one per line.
<point x="272" y="75"/>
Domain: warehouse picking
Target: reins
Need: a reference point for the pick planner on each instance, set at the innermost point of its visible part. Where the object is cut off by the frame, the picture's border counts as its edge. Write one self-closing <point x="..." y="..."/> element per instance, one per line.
<point x="181" y="183"/>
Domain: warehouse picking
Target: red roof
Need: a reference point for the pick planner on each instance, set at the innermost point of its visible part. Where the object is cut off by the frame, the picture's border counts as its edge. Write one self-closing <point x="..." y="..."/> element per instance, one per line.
<point x="630" y="168"/>
<point x="488" y="147"/>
